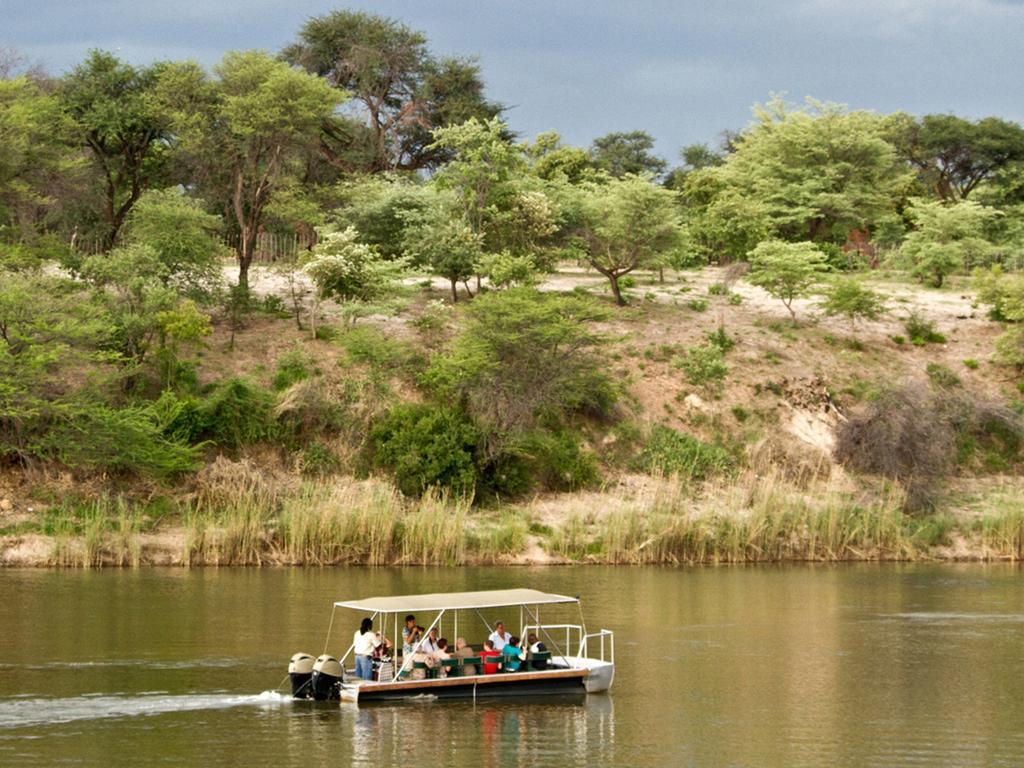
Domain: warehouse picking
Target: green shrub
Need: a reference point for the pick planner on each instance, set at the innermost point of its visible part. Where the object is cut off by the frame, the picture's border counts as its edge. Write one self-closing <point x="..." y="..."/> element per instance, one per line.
<point x="718" y="289"/>
<point x="318" y="460"/>
<point x="703" y="365"/>
<point x="921" y="330"/>
<point x="899" y="340"/>
<point x="722" y="340"/>
<point x="559" y="464"/>
<point x="735" y="299"/>
<point x="672" y="452"/>
<point x="697" y="305"/>
<point x="971" y="363"/>
<point x="367" y="345"/>
<point x="740" y="413"/>
<point x="235" y="412"/>
<point x="425" y="446"/>
<point x="292" y="366"/>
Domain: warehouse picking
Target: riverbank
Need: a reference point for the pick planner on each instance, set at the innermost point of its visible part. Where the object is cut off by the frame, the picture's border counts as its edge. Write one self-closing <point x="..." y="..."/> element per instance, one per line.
<point x="238" y="517"/>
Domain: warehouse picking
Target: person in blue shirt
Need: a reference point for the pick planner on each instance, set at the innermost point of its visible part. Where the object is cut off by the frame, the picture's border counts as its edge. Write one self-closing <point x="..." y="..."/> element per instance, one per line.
<point x="512" y="655"/>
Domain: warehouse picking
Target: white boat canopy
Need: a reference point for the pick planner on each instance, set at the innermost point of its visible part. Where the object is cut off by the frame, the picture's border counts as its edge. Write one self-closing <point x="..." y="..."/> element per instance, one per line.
<point x="454" y="601"/>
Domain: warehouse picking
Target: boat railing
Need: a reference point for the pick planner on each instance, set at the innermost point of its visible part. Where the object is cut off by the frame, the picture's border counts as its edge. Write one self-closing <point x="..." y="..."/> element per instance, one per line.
<point x="607" y="644"/>
<point x="570" y="634"/>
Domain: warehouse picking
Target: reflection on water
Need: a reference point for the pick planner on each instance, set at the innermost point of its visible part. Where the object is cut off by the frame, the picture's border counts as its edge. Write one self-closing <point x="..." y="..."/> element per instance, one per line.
<point x="801" y="666"/>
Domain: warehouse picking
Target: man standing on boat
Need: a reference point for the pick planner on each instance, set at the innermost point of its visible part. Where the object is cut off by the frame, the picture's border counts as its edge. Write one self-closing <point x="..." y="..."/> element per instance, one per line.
<point x="499" y="636"/>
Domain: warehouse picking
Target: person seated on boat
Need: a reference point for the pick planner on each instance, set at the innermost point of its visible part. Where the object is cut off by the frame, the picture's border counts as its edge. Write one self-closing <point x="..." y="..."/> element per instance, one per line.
<point x="536" y="646"/>
<point x="512" y="655"/>
<point x="411" y="634"/>
<point x="442" y="654"/>
<point x="364" y="643"/>
<point x="419" y="657"/>
<point x="490" y="667"/>
<point x="429" y="644"/>
<point x="464" y="651"/>
<point x="499" y="636"/>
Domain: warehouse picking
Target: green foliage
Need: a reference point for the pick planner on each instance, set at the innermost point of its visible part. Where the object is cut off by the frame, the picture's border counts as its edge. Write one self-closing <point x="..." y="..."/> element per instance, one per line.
<point x="524" y="356"/>
<point x="621" y="154"/>
<point x="921" y="330"/>
<point x="504" y="270"/>
<point x="344" y="269"/>
<point x="997" y="289"/>
<point x="292" y="366"/>
<point x="854" y="301"/>
<point x="697" y="305"/>
<point x="814" y="173"/>
<point x="558" y="462"/>
<point x="676" y="453"/>
<point x="629" y="223"/>
<point x="235" y="412"/>
<point x="403" y="92"/>
<point x="971" y="364"/>
<point x="318" y="460"/>
<point x="786" y="270"/>
<point x="424" y="447"/>
<point x="720" y="339"/>
<point x="704" y="365"/>
<point x="947" y="238"/>
<point x="439" y="239"/>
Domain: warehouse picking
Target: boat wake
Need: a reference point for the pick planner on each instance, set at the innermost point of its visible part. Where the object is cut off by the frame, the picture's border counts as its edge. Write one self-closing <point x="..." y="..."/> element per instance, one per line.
<point x="23" y="712"/>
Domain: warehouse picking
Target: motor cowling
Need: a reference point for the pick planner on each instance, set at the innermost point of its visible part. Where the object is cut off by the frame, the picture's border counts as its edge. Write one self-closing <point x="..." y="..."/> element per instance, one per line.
<point x="327" y="677"/>
<point x="300" y="671"/>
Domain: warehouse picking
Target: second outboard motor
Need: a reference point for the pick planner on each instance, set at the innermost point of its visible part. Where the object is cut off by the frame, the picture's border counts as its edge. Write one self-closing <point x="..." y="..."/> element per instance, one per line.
<point x="300" y="670"/>
<point x="327" y="676"/>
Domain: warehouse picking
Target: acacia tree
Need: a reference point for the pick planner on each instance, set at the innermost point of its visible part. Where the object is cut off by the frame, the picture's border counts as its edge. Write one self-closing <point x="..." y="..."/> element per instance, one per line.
<point x="35" y="159"/>
<point x="401" y="90"/>
<point x="629" y="223"/>
<point x="260" y="114"/>
<point x="787" y="271"/>
<point x="622" y="153"/>
<point x="946" y="237"/>
<point x="954" y="156"/>
<point x="439" y="238"/>
<point x="854" y="301"/>
<point x="120" y="119"/>
<point x="818" y="172"/>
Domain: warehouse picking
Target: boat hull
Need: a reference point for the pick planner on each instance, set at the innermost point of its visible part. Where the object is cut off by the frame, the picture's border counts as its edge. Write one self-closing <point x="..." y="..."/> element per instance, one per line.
<point x="559" y="682"/>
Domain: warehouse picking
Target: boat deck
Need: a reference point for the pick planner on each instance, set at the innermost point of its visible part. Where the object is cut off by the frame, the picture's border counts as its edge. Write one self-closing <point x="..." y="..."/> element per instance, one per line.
<point x="534" y="682"/>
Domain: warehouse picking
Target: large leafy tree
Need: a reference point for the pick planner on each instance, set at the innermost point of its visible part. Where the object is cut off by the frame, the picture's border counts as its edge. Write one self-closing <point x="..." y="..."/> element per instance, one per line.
<point x="400" y="90"/>
<point x="258" y="118"/>
<point x="629" y="223"/>
<point x="622" y="153"/>
<point x="119" y="118"/>
<point x="818" y="172"/>
<point x="954" y="155"/>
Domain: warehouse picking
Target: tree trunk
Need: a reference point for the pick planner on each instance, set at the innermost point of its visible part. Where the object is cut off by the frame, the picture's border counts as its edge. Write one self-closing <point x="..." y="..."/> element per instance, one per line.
<point x="614" y="280"/>
<point x="468" y="290"/>
<point x="455" y="290"/>
<point x="246" y="250"/>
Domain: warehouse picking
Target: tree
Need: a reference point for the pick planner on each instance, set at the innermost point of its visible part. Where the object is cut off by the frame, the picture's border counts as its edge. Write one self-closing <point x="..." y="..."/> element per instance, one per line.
<point x="946" y="237"/>
<point x="954" y="155"/>
<point x="787" y="271"/>
<point x="344" y="269"/>
<point x="853" y="300"/>
<point x="35" y="159"/>
<point x="259" y="116"/>
<point x="183" y="236"/>
<point x="695" y="157"/>
<point x="119" y="118"/>
<point x="619" y="154"/>
<point x="551" y="160"/>
<point x="403" y="92"/>
<point x="629" y="223"/>
<point x="440" y="239"/>
<point x="818" y="172"/>
<point x="524" y="356"/>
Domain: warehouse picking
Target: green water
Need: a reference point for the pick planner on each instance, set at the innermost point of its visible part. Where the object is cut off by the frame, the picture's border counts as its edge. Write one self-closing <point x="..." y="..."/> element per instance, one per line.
<point x="796" y="666"/>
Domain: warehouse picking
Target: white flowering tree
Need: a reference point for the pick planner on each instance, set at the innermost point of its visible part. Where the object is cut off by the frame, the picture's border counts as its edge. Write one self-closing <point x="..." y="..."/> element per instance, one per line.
<point x="348" y="271"/>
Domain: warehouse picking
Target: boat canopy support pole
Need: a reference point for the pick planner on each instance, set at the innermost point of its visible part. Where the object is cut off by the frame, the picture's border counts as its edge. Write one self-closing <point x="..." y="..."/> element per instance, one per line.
<point x="407" y="661"/>
<point x="327" y="640"/>
<point x="540" y="628"/>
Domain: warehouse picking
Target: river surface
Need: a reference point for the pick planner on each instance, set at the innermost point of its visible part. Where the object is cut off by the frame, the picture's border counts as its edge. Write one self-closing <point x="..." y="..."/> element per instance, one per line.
<point x="865" y="665"/>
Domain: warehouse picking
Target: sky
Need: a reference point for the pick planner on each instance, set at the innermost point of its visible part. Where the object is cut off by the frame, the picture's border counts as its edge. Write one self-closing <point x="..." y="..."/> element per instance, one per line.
<point x="683" y="71"/>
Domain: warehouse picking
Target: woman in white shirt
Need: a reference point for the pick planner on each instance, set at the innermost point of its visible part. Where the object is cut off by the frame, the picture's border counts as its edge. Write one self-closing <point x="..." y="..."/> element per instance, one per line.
<point x="364" y="643"/>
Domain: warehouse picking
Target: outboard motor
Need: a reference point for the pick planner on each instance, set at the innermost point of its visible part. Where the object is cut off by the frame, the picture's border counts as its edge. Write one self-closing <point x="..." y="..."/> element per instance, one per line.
<point x="327" y="677"/>
<point x="300" y="670"/>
